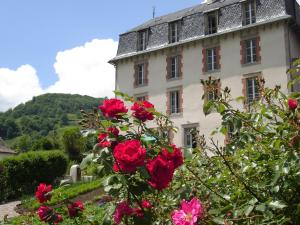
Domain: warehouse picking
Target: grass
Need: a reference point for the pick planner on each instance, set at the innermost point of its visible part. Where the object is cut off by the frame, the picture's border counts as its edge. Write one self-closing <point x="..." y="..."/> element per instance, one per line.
<point x="63" y="193"/>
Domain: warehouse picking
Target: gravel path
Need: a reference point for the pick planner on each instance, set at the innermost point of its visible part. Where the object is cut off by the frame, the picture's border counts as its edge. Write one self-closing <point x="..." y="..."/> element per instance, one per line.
<point x="8" y="209"/>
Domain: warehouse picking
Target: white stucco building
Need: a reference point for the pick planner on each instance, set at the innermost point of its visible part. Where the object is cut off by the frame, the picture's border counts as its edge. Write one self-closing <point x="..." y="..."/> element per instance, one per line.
<point x="236" y="41"/>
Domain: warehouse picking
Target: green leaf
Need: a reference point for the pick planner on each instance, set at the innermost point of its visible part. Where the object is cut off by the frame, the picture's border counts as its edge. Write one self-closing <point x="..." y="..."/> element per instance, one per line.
<point x="218" y="220"/>
<point x="277" y="204"/>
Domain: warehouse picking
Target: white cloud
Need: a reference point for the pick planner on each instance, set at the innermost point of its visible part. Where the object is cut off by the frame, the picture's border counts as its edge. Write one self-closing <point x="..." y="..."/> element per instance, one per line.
<point x="17" y="86"/>
<point x="82" y="70"/>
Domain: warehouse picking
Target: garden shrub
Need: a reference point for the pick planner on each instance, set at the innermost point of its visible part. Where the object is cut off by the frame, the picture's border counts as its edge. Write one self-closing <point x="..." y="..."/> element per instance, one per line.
<point x="21" y="174"/>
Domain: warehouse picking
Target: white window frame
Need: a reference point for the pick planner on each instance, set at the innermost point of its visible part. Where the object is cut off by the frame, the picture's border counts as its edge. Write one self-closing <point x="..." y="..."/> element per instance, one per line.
<point x="210" y="17"/>
<point x="141" y="98"/>
<point x="250" y="9"/>
<point x="174" y="102"/>
<point x="141" y="74"/>
<point x="174" y="67"/>
<point x="250" y="50"/>
<point x="188" y="138"/>
<point x="211" y="59"/>
<point x="174" y="32"/>
<point x="142" y="40"/>
<point x="212" y="94"/>
<point x="253" y="90"/>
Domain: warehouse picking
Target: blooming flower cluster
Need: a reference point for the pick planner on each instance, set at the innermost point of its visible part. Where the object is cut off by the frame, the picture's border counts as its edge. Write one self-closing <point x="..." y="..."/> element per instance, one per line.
<point x="124" y="209"/>
<point x="47" y="214"/>
<point x="43" y="193"/>
<point x="189" y="213"/>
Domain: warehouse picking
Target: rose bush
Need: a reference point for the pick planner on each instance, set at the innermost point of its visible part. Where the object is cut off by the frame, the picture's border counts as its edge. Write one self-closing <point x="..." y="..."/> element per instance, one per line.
<point x="251" y="179"/>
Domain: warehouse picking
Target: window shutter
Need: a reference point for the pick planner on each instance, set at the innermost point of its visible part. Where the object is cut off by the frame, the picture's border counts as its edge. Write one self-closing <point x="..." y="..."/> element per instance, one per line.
<point x="135" y="75"/>
<point x="243" y="52"/>
<point x="257" y="42"/>
<point x="168" y="103"/>
<point x="180" y="100"/>
<point x="204" y="63"/>
<point x="168" y="68"/>
<point x="180" y="65"/>
<point x="218" y="52"/>
<point x="146" y="71"/>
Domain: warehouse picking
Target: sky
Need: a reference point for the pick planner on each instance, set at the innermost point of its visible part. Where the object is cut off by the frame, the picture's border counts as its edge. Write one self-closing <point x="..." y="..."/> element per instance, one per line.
<point x="62" y="46"/>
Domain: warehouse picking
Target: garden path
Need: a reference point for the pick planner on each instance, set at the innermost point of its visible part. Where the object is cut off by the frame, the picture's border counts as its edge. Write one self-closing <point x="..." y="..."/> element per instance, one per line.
<point x="8" y="209"/>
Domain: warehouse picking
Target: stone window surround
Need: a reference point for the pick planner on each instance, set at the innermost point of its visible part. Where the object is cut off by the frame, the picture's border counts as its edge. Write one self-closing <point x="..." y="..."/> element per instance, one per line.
<point x="217" y="87"/>
<point x="169" y="56"/>
<point x="168" y="103"/>
<point x="204" y="58"/>
<point x="244" y="38"/>
<point x="146" y="73"/>
<point x="258" y="75"/>
<point x="144" y="94"/>
<point x="188" y="126"/>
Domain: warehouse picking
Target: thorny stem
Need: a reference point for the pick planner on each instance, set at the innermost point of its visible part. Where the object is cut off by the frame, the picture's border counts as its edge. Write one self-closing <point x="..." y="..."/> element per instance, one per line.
<point x="203" y="183"/>
<point x="233" y="173"/>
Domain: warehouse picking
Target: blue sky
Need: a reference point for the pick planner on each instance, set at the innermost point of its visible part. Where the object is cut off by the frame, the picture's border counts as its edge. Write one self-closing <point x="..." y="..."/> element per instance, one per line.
<point x="34" y="32"/>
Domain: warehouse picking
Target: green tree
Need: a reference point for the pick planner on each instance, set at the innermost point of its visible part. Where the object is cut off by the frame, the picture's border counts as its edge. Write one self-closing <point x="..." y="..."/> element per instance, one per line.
<point x="73" y="144"/>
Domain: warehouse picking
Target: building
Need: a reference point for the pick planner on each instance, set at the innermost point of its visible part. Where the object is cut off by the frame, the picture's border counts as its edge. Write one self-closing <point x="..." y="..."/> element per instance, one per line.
<point x="4" y="151"/>
<point x="236" y="41"/>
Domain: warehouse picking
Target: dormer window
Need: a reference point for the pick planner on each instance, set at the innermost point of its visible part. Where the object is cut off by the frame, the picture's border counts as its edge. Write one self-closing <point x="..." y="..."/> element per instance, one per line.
<point x="211" y="22"/>
<point x="142" y="40"/>
<point x="249" y="12"/>
<point x="174" y="28"/>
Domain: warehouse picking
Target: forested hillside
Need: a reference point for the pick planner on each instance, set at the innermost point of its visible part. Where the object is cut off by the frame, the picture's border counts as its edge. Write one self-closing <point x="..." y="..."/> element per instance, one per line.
<point x="44" y="114"/>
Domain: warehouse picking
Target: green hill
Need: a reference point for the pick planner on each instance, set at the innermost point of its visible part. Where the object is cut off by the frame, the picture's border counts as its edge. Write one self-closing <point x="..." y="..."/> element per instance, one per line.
<point x="44" y="114"/>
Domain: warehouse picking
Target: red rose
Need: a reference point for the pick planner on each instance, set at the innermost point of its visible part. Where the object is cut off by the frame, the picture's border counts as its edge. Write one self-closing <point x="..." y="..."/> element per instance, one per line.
<point x="292" y="103"/>
<point x="113" y="130"/>
<point x="175" y="156"/>
<point x="141" y="111"/>
<point x="122" y="209"/>
<point x="129" y="155"/>
<point x="161" y="171"/>
<point x="45" y="213"/>
<point x="103" y="143"/>
<point x="75" y="209"/>
<point x="43" y="193"/>
<point x="57" y="219"/>
<point x="138" y="212"/>
<point x="146" y="204"/>
<point x="294" y="141"/>
<point x="112" y="108"/>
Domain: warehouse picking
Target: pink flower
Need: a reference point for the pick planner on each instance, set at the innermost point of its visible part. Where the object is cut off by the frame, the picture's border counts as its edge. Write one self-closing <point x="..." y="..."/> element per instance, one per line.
<point x="122" y="209"/>
<point x="292" y="103"/>
<point x="189" y="212"/>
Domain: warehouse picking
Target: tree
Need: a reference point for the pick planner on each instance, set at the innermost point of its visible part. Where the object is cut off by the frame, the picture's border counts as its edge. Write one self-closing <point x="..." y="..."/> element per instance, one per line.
<point x="73" y="144"/>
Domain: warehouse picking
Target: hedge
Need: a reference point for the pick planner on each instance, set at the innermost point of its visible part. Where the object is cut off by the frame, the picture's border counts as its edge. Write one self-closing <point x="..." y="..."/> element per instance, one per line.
<point x="20" y="175"/>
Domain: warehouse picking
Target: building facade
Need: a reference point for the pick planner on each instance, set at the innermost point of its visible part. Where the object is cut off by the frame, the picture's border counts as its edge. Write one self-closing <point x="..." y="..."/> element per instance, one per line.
<point x="232" y="41"/>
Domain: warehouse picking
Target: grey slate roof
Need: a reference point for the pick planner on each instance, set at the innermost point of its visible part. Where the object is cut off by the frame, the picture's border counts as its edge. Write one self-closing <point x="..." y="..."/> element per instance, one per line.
<point x="193" y="27"/>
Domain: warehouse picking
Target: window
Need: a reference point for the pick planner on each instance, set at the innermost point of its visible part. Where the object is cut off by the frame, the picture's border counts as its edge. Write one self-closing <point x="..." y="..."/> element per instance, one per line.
<point x="174" y="67"/>
<point x="252" y="88"/>
<point x="141" y="74"/>
<point x="174" y="102"/>
<point x="249" y="12"/>
<point x="211" y="22"/>
<point x="251" y="51"/>
<point x="211" y="89"/>
<point x="190" y="137"/>
<point x="174" y="32"/>
<point x="212" y="94"/>
<point x="211" y="59"/>
<point x="142" y="40"/>
<point x="141" y="98"/>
